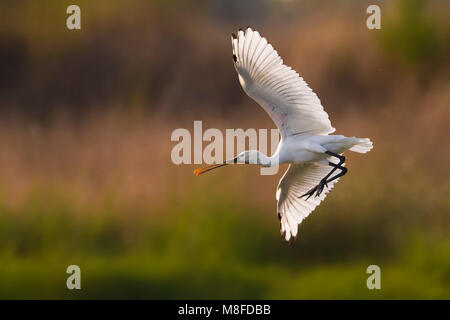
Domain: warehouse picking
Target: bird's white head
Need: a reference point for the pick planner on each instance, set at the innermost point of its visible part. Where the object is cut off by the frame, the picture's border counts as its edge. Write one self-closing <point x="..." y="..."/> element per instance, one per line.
<point x="247" y="157"/>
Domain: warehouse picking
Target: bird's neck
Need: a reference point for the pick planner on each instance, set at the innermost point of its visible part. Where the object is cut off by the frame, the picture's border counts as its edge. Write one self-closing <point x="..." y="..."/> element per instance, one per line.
<point x="266" y="161"/>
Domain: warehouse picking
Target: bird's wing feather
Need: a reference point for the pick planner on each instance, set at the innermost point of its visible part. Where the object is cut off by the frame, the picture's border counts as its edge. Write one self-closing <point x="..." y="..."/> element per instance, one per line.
<point x="297" y="180"/>
<point x="283" y="94"/>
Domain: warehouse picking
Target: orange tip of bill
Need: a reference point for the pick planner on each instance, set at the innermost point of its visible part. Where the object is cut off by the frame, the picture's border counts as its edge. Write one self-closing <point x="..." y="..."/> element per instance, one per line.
<point x="196" y="172"/>
<point x="200" y="171"/>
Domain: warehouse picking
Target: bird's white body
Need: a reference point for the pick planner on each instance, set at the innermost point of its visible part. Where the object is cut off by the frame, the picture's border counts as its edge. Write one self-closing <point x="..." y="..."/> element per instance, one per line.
<point x="311" y="148"/>
<point x="300" y="149"/>
<point x="306" y="143"/>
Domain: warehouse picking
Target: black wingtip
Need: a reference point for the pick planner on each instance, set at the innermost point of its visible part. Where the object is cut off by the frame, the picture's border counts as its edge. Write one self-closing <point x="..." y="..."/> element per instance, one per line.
<point x="283" y="236"/>
<point x="234" y="36"/>
<point x="291" y="241"/>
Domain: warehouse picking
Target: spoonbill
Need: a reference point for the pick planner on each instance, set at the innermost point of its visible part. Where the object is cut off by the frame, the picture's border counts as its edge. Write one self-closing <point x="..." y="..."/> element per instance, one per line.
<point x="306" y="144"/>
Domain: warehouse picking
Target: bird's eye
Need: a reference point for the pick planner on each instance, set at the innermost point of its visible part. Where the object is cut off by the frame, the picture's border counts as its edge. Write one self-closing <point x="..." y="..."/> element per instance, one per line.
<point x="234" y="58"/>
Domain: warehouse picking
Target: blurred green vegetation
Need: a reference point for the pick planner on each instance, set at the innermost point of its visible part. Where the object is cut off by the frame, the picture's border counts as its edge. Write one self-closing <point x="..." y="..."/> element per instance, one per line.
<point x="217" y="247"/>
<point x="414" y="37"/>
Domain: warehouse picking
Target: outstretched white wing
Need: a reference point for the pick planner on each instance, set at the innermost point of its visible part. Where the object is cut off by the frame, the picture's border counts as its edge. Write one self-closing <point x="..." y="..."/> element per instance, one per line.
<point x="285" y="96"/>
<point x="297" y="180"/>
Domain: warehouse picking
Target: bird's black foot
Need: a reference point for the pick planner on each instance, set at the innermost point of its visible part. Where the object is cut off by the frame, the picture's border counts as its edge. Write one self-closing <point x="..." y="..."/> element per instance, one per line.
<point x="309" y="193"/>
<point x="322" y="184"/>
<point x="317" y="189"/>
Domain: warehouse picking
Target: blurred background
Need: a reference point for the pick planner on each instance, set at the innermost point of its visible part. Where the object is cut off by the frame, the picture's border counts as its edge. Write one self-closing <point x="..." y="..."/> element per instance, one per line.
<point x="86" y="176"/>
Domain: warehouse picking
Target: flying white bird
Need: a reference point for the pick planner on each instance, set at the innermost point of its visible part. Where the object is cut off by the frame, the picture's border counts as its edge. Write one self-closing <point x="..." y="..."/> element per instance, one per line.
<point x="314" y="155"/>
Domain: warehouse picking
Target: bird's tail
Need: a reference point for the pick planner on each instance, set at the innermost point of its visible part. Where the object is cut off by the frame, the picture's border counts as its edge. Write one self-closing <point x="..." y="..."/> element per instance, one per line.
<point x="362" y="146"/>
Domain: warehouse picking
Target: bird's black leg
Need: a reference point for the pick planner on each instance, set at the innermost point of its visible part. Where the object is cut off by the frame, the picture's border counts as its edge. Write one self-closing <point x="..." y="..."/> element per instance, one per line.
<point x="324" y="182"/>
<point x="340" y="157"/>
<point x="340" y="174"/>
